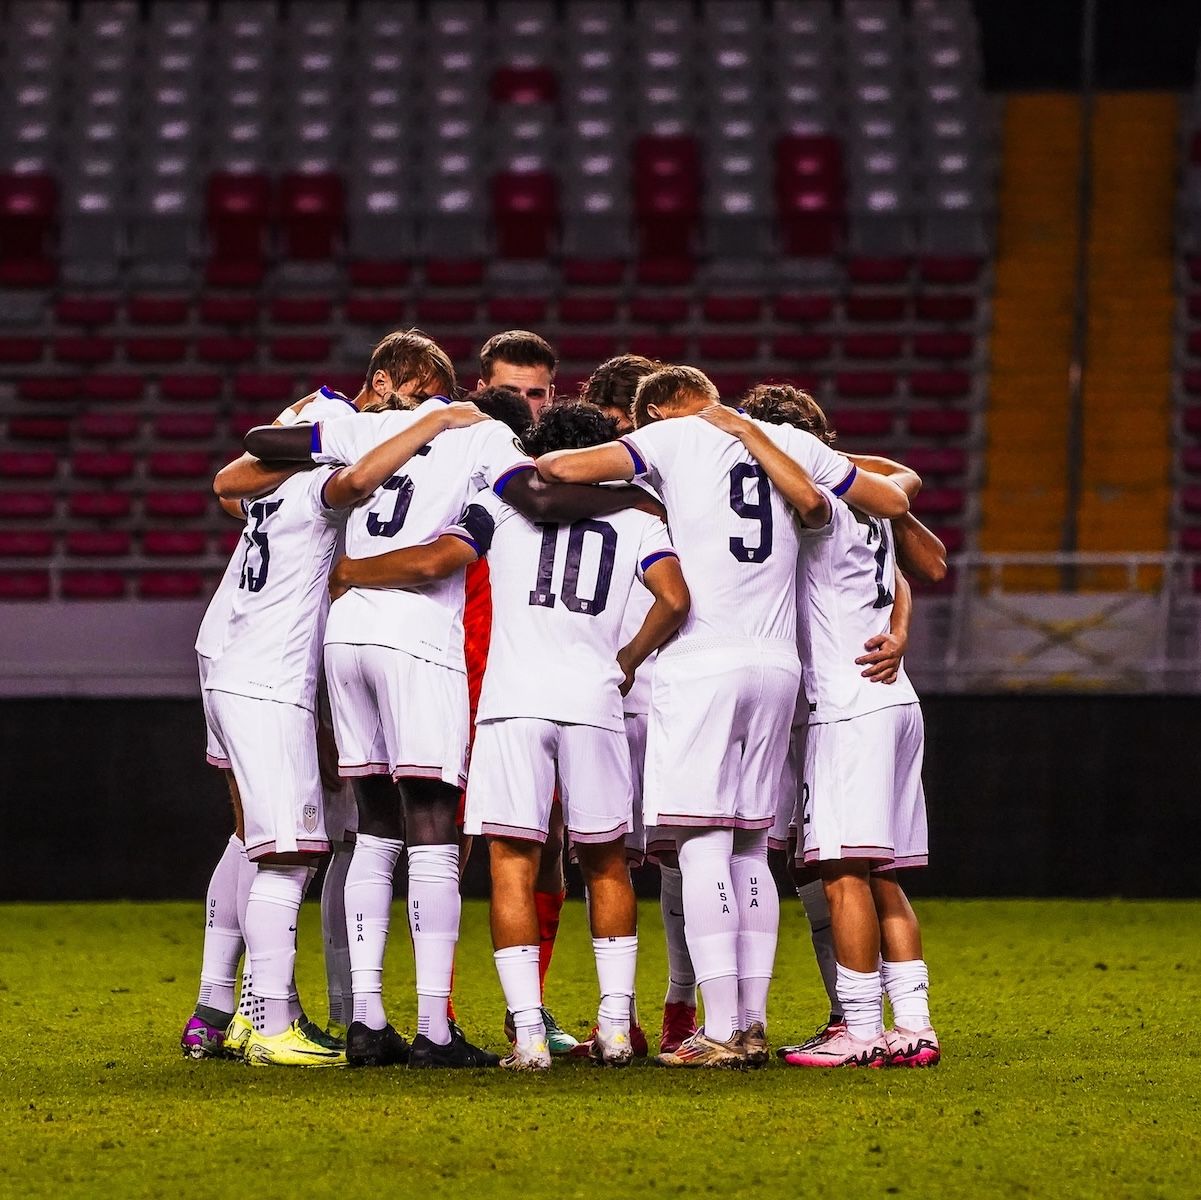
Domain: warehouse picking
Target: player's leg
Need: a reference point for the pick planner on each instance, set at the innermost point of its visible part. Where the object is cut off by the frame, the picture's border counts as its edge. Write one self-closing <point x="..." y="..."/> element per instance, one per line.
<point x="550" y="891"/>
<point x="335" y="938"/>
<point x="812" y="894"/>
<point x="758" y="931"/>
<point x="679" y="1004"/>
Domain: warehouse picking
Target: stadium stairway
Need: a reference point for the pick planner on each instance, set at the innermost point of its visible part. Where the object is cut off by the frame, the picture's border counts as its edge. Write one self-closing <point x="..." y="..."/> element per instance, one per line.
<point x="1127" y="442"/>
<point x="1024" y="499"/>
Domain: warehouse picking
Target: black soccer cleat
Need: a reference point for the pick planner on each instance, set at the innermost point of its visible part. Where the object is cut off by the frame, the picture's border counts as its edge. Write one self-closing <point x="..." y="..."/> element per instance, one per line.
<point x="367" y="1047"/>
<point x="458" y="1052"/>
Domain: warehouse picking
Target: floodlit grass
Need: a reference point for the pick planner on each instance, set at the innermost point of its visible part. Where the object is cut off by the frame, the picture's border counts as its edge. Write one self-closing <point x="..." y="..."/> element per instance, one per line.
<point x="1072" y="1069"/>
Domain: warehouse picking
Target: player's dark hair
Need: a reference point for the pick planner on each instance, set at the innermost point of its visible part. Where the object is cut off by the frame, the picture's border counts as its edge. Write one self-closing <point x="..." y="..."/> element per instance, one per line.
<point x="411" y="356"/>
<point x="518" y="348"/>
<point x="614" y="382"/>
<point x="569" y="425"/>
<point x="783" y="404"/>
<point x="669" y="386"/>
<point x="510" y="408"/>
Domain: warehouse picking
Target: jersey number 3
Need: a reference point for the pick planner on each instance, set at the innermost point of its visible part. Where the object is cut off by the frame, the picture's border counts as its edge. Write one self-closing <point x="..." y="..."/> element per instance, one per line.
<point x="545" y="598"/>
<point x="254" y="575"/>
<point x="402" y="487"/>
<point x="758" y="509"/>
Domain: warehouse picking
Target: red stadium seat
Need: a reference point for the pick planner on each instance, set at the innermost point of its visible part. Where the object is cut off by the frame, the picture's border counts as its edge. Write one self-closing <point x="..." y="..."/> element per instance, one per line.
<point x="664" y="347"/>
<point x="951" y="537"/>
<point x="156" y="350"/>
<point x="950" y="270"/>
<point x="53" y="390"/>
<point x="587" y="347"/>
<point x="732" y="310"/>
<point x="32" y="543"/>
<point x="665" y="272"/>
<point x="157" y="310"/>
<point x="241" y="423"/>
<point x="349" y="383"/>
<point x="312" y="209"/>
<point x="28" y="211"/>
<point x="228" y="540"/>
<point x="234" y="273"/>
<point x="185" y="427"/>
<point x="946" y="347"/>
<point x="938" y="502"/>
<point x="938" y="422"/>
<point x="98" y="543"/>
<point x="659" y="310"/>
<point x="587" y="310"/>
<point x="100" y="506"/>
<point x="20" y="350"/>
<point x="875" y="346"/>
<point x="667" y="195"/>
<point x="28" y="465"/>
<point x="86" y="310"/>
<point x="176" y="504"/>
<point x="1190" y="459"/>
<point x="301" y="310"/>
<point x="98" y="464"/>
<point x="173" y="543"/>
<point x="454" y="272"/>
<point x="379" y="274"/>
<point x="1190" y="498"/>
<point x="854" y="422"/>
<point x="84" y="351"/>
<point x="374" y="310"/>
<point x="24" y="585"/>
<point x="229" y="310"/>
<point x="226" y="349"/>
<point x="731" y="384"/>
<point x="947" y="306"/>
<point x="585" y="272"/>
<point x="525" y="214"/>
<point x="26" y="506"/>
<point x="517" y="311"/>
<point x="188" y="388"/>
<point x="126" y="388"/>
<point x="28" y="273"/>
<point x="170" y="585"/>
<point x="726" y="347"/>
<point x="433" y="310"/>
<point x="525" y="85"/>
<point x="109" y="427"/>
<point x="39" y="429"/>
<point x="93" y="585"/>
<point x="805" y="310"/>
<point x="875" y="307"/>
<point x="940" y="385"/>
<point x="878" y="270"/>
<point x="1192" y="421"/>
<point x="169" y="464"/>
<point x="237" y="210"/>
<point x="855" y="385"/>
<point x="300" y="349"/>
<point x="802" y="347"/>
<point x="811" y="222"/>
<point x="935" y="462"/>
<point x="1190" y="540"/>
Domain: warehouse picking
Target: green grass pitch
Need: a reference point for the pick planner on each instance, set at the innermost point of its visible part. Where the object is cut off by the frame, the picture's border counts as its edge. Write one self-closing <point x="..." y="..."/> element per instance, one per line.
<point x="1072" y="1069"/>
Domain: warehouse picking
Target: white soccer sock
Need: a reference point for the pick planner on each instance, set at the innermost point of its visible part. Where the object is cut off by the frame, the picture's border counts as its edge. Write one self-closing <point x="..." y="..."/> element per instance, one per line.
<point x="271" y="914"/>
<point x="681" y="978"/>
<point x="908" y="987"/>
<point x="862" y="999"/>
<point x="222" y="937"/>
<point x="368" y="894"/>
<point x="517" y="967"/>
<point x="711" y="924"/>
<point x="758" y="924"/>
<point x="616" y="964"/>
<point x="434" y="909"/>
<point x="246" y="873"/>
<point x="821" y="933"/>
<point x="333" y="933"/>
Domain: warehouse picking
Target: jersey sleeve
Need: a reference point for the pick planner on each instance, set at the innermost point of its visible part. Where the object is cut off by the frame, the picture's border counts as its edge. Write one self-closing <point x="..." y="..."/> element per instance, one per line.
<point x="499" y="456"/>
<point x="652" y="449"/>
<point x="320" y="481"/>
<point x="344" y="439"/>
<point x="655" y="545"/>
<point x="826" y="467"/>
<point x="477" y="524"/>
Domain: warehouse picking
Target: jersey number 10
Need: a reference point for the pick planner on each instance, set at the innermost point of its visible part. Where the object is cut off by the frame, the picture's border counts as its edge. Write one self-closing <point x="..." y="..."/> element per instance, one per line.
<point x="591" y="606"/>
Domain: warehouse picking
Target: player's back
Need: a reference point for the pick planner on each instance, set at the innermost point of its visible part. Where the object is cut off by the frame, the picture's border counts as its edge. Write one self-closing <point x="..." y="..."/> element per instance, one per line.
<point x="276" y="613"/>
<point x="559" y="596"/>
<point x="846" y="586"/>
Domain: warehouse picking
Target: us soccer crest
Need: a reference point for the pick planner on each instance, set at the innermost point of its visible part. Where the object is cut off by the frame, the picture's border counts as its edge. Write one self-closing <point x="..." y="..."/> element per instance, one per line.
<point x="310" y="818"/>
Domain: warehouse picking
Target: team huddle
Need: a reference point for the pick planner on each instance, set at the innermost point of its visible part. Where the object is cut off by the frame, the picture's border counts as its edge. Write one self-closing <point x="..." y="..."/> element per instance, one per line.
<point x="637" y="627"/>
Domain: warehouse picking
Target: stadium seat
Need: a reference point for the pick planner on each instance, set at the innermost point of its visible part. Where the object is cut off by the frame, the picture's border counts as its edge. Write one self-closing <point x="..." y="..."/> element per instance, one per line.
<point x="39" y="429"/>
<point x="190" y="388"/>
<point x="125" y="388"/>
<point x="97" y="464"/>
<point x="878" y="270"/>
<point x="659" y="310"/>
<point x="158" y="351"/>
<point x="454" y="273"/>
<point x="802" y="347"/>
<point x="949" y="270"/>
<point x="664" y="347"/>
<point x="85" y="310"/>
<point x="312" y="209"/>
<point x="84" y="351"/>
<point x="100" y="506"/>
<point x="370" y="274"/>
<point x="300" y="310"/>
<point x="33" y="543"/>
<point x="732" y="310"/>
<point x="98" y="543"/>
<point x="940" y="385"/>
<point x="92" y="585"/>
<point x="24" y="585"/>
<point x="525" y="213"/>
<point x="874" y="346"/>
<point x="28" y="465"/>
<point x="174" y="505"/>
<point x="726" y="347"/>
<point x="173" y="543"/>
<point x="228" y="310"/>
<point x="803" y="310"/>
<point x="167" y="464"/>
<point x="226" y="350"/>
<point x="28" y="212"/>
<point x="583" y="272"/>
<point x="25" y="506"/>
<point x="49" y="390"/>
<point x="185" y="427"/>
<point x="157" y="310"/>
<point x="945" y="347"/>
<point x="300" y="349"/>
<point x="938" y="422"/>
<point x="275" y="388"/>
<point x="587" y="310"/>
<point x="237" y="209"/>
<point x="856" y="385"/>
<point x="517" y="311"/>
<point x="170" y="585"/>
<point x="109" y="427"/>
<point x="945" y="306"/>
<point x="875" y="307"/>
<point x="20" y="350"/>
<point x="374" y="310"/>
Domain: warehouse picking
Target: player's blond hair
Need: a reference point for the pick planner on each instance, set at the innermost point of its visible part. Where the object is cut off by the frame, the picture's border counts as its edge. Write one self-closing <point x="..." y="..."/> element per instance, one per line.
<point x="669" y="386"/>
<point x="411" y="356"/>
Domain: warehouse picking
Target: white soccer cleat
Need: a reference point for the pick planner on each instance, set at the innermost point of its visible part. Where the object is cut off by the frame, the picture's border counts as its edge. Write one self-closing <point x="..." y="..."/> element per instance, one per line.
<point x="913" y="1047"/>
<point x="532" y="1057"/>
<point x="839" y="1048"/>
<point x="616" y="1050"/>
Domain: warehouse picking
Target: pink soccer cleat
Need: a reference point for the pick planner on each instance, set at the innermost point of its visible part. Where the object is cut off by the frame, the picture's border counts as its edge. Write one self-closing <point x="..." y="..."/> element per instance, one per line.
<point x="679" y="1024"/>
<point x="836" y="1047"/>
<point x="913" y="1048"/>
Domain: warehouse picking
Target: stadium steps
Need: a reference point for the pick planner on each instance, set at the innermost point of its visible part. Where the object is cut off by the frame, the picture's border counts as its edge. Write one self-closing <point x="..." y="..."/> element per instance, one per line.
<point x="1127" y="465"/>
<point x="1024" y="499"/>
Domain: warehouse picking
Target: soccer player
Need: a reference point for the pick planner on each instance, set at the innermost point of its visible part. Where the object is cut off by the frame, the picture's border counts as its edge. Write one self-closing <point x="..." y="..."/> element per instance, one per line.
<point x="862" y="803"/>
<point x="723" y="693"/>
<point x="260" y="696"/>
<point x="559" y="594"/>
<point x="521" y="362"/>
<point x="394" y="664"/>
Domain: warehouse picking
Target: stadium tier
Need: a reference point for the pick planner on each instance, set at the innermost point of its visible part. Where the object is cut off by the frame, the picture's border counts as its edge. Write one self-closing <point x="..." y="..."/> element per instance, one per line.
<point x="787" y="192"/>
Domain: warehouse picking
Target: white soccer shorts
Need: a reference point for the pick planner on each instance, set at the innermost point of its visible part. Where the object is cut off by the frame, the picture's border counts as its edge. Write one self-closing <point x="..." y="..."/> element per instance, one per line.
<point x="636" y="740"/>
<point x="721" y="713"/>
<point x="515" y="764"/>
<point x="273" y="751"/>
<point x="214" y="755"/>
<point x="396" y="714"/>
<point x="787" y="792"/>
<point x="861" y="790"/>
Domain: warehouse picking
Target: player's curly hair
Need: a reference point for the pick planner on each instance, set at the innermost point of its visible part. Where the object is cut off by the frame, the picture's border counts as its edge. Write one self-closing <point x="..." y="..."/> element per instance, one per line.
<point x="569" y="425"/>
<point x="614" y="382"/>
<point x="783" y="404"/>
<point x="510" y="408"/>
<point x="411" y="356"/>
<point x="518" y="348"/>
<point x="666" y="386"/>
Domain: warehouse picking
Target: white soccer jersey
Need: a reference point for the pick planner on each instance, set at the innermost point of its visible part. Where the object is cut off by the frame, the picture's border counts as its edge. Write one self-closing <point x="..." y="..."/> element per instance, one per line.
<point x="273" y="647"/>
<point x="411" y="509"/>
<point x="559" y="596"/>
<point x="736" y="535"/>
<point x="846" y="583"/>
<point x="214" y="626"/>
<point x="638" y="698"/>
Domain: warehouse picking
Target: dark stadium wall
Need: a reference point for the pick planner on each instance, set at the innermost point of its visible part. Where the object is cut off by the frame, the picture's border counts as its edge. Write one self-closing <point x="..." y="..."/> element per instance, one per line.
<point x="1028" y="796"/>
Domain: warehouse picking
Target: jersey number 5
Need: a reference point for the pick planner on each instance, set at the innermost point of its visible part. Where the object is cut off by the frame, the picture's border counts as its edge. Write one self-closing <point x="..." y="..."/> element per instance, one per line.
<point x="544" y="597"/>
<point x="402" y="486"/>
<point x="758" y="509"/>
<point x="254" y="575"/>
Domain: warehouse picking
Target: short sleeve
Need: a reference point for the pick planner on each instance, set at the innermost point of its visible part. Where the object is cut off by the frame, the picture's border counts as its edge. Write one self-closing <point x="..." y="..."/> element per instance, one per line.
<point x="826" y="467"/>
<point x="655" y="545"/>
<point x="343" y="440"/>
<point x="320" y="481"/>
<point x="477" y="524"/>
<point x="499" y="456"/>
<point x="652" y="449"/>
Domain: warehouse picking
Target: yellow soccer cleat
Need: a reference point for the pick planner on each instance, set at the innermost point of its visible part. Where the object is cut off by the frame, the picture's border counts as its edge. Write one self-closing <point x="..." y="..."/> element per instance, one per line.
<point x="292" y="1048"/>
<point x="237" y="1035"/>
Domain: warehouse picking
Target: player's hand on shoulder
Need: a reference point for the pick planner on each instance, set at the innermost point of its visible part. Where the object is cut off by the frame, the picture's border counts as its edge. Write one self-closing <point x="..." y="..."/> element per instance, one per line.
<point x="726" y="419"/>
<point x="462" y="413"/>
<point x="300" y="405"/>
<point x="883" y="658"/>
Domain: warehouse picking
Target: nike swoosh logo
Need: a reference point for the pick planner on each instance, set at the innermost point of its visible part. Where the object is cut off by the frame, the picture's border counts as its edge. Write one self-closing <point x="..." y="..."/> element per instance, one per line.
<point x="672" y="913"/>
<point x="292" y="928"/>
